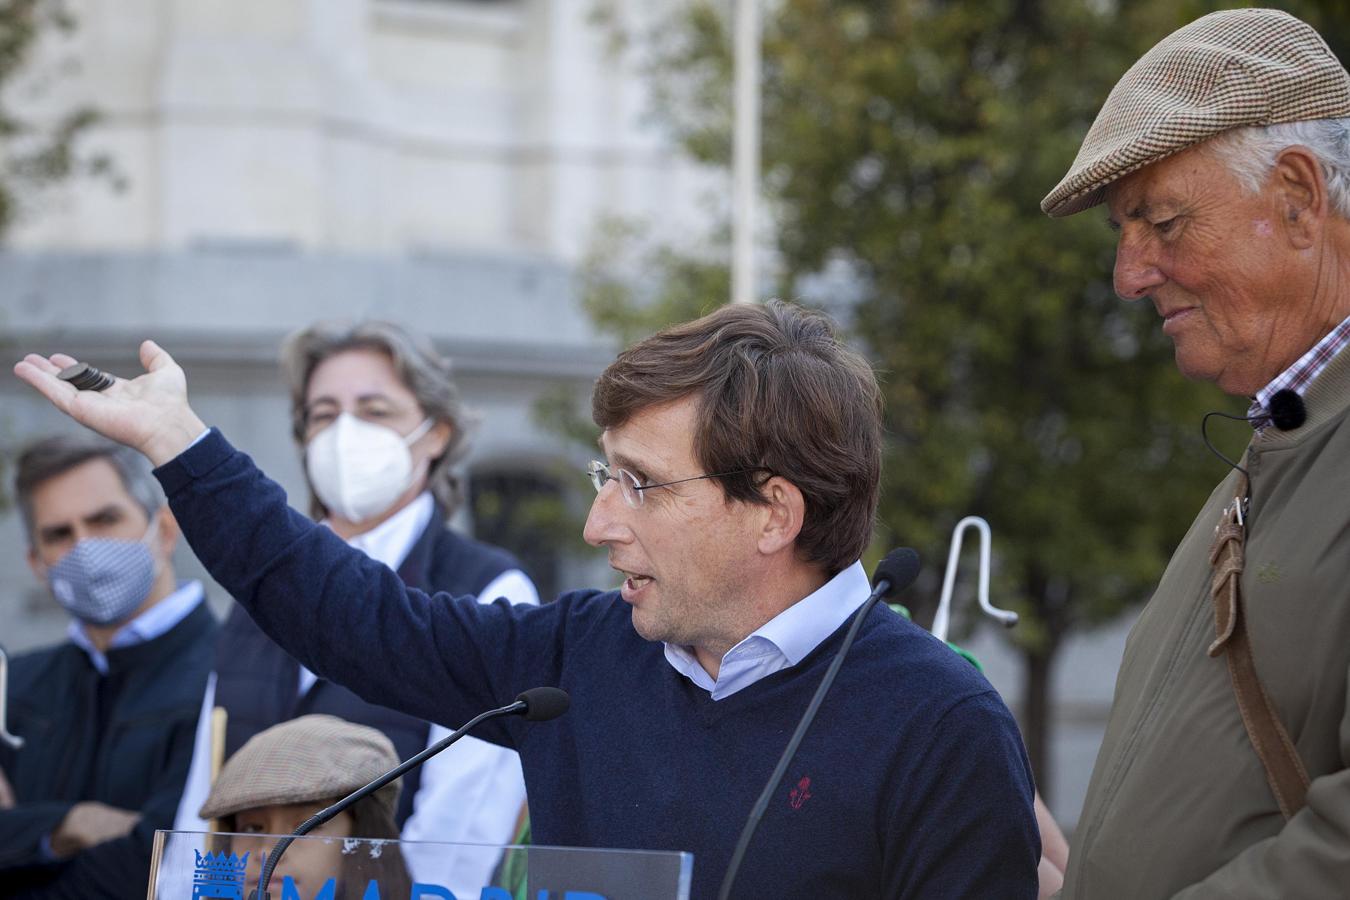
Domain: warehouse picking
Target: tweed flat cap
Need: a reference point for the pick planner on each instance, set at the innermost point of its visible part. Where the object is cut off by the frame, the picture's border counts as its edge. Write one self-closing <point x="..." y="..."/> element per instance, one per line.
<point x="303" y="760"/>
<point x="1224" y="70"/>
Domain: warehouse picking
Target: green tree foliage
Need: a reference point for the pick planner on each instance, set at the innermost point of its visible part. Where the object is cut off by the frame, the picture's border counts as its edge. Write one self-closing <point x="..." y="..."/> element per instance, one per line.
<point x="908" y="144"/>
<point x="36" y="152"/>
<point x="33" y="153"/>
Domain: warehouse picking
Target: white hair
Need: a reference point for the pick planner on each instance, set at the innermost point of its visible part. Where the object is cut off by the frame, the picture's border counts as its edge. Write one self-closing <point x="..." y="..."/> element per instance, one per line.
<point x="1250" y="153"/>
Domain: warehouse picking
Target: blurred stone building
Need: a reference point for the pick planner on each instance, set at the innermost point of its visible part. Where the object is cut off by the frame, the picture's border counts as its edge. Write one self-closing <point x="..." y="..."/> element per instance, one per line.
<point x="439" y="163"/>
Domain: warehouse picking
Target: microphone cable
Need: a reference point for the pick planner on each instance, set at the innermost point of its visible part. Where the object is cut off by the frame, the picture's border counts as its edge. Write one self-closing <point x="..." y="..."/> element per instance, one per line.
<point x="894" y="572"/>
<point x="1286" y="412"/>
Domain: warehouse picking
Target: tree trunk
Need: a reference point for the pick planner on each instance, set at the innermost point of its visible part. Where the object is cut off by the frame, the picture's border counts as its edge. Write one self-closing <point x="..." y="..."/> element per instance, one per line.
<point x="1036" y="724"/>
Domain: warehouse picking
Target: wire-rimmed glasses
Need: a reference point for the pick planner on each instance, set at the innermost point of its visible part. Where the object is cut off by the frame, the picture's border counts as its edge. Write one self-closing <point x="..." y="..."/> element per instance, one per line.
<point x="601" y="472"/>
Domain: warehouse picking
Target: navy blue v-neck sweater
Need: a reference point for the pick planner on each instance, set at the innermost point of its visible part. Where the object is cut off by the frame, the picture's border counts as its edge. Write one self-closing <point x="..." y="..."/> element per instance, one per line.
<point x="912" y="782"/>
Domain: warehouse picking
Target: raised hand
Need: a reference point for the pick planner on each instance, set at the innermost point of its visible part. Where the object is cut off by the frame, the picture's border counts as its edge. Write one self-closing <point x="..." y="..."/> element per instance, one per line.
<point x="150" y="412"/>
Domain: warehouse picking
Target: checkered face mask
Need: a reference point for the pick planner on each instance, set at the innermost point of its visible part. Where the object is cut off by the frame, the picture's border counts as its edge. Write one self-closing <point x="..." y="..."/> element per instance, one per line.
<point x="103" y="580"/>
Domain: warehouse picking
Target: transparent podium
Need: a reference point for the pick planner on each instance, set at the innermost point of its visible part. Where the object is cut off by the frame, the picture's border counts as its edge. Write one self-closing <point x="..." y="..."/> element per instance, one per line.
<point x="189" y="865"/>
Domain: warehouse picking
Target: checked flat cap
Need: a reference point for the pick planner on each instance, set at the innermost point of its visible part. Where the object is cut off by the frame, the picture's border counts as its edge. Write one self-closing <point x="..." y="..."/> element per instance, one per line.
<point x="303" y="760"/>
<point x="1224" y="70"/>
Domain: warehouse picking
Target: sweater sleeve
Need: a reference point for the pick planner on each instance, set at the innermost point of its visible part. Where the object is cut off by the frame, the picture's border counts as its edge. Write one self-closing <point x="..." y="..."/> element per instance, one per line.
<point x="1310" y="857"/>
<point x="347" y="617"/>
<point x="969" y="828"/>
<point x="22" y="829"/>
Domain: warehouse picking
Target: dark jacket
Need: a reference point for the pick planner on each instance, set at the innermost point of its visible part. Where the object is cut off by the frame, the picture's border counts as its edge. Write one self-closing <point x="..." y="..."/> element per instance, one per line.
<point x="124" y="739"/>
<point x="256" y="680"/>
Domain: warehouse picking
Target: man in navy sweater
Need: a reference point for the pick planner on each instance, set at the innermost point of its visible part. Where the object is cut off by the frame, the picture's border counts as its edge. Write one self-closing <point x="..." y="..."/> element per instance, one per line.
<point x="743" y="455"/>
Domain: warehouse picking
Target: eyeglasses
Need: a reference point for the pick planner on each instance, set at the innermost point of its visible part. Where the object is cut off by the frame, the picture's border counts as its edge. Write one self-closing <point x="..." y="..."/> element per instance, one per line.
<point x="630" y="487"/>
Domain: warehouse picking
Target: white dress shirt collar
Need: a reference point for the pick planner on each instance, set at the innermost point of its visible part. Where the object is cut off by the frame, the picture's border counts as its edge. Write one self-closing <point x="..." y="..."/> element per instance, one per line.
<point x="1301" y="374"/>
<point x="392" y="540"/>
<point x="154" y="622"/>
<point x="781" y="642"/>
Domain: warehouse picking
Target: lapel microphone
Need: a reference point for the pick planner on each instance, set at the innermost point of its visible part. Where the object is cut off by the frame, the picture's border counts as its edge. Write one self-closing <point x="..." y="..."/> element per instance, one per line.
<point x="1285" y="410"/>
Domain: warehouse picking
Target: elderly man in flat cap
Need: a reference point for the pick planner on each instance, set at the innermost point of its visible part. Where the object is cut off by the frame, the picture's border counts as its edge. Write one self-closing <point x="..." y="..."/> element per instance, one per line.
<point x="1223" y="158"/>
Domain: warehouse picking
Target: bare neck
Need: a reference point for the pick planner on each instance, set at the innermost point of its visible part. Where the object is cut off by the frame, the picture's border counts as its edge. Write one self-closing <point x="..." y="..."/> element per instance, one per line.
<point x="1317" y="300"/>
<point x="1329" y="301"/>
<point x="789" y="588"/>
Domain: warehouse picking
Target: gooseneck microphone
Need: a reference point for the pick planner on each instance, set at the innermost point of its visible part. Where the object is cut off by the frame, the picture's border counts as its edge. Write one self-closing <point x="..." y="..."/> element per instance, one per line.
<point x="1285" y="410"/>
<point x="894" y="573"/>
<point x="535" y="705"/>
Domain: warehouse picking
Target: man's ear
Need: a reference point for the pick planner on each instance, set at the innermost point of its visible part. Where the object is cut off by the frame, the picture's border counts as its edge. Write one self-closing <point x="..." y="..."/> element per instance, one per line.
<point x="784" y="514"/>
<point x="167" y="532"/>
<point x="1301" y="194"/>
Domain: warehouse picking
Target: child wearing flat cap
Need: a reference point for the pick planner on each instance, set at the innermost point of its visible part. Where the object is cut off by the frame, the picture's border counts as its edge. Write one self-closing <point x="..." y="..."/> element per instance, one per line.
<point x="286" y="774"/>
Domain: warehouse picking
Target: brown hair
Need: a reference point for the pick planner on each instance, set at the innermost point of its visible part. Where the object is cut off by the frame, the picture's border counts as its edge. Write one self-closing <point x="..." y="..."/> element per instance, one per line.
<point x="421" y="369"/>
<point x="46" y="458"/>
<point x="777" y="393"/>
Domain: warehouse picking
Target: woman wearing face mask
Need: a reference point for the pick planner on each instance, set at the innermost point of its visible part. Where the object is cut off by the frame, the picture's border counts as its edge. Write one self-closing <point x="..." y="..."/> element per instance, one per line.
<point x="381" y="428"/>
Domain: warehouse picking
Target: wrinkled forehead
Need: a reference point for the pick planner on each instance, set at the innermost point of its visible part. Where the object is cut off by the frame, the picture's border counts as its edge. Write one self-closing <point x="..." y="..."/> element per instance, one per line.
<point x="1160" y="188"/>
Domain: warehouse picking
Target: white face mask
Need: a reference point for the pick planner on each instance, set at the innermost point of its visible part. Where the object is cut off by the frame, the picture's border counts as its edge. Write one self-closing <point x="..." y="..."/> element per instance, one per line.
<point x="359" y="469"/>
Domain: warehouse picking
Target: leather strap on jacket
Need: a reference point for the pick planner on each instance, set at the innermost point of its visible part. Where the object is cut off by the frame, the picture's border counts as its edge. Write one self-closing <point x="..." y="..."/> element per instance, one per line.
<point x="1284" y="770"/>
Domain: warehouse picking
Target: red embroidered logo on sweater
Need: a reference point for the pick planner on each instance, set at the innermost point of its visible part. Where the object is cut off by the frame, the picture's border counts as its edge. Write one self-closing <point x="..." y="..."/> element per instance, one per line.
<point x="800" y="794"/>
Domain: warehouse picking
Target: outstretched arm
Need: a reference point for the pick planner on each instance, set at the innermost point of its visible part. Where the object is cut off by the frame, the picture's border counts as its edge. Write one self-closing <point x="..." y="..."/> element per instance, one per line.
<point x="149" y="413"/>
<point x="341" y="614"/>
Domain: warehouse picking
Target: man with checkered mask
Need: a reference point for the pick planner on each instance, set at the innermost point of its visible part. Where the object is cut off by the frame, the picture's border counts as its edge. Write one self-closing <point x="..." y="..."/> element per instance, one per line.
<point x="1223" y="159"/>
<point x="106" y="717"/>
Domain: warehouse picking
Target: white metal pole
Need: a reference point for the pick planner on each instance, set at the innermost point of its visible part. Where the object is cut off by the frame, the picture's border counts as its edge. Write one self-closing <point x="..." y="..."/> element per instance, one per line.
<point x="745" y="162"/>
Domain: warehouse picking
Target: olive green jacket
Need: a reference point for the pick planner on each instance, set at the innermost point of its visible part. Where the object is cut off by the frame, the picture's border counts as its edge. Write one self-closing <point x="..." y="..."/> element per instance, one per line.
<point x="1178" y="805"/>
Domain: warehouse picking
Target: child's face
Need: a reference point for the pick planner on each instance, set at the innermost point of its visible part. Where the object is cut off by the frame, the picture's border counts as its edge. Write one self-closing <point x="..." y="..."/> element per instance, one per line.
<point x="309" y="863"/>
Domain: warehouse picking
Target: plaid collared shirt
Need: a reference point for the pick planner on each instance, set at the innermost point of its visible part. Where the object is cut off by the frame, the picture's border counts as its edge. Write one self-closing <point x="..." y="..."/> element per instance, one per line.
<point x="1298" y="376"/>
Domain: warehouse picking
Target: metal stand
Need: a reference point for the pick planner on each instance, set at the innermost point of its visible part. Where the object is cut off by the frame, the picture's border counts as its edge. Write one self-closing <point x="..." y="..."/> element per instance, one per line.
<point x="942" y="620"/>
<point x="13" y="740"/>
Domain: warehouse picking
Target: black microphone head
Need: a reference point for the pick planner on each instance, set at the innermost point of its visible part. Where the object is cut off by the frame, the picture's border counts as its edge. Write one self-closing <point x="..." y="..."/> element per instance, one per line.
<point x="898" y="569"/>
<point x="544" y="703"/>
<point x="1287" y="411"/>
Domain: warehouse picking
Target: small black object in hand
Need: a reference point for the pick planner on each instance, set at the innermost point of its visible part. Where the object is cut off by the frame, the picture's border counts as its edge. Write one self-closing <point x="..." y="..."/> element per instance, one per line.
<point x="87" y="378"/>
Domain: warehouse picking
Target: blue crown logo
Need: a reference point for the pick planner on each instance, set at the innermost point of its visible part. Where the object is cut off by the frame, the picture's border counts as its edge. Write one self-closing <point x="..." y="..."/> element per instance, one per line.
<point x="219" y="876"/>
